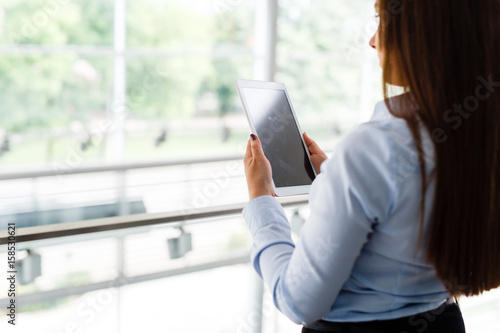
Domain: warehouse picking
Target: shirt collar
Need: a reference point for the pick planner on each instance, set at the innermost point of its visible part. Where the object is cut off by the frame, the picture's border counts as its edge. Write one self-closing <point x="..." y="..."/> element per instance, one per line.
<point x="381" y="111"/>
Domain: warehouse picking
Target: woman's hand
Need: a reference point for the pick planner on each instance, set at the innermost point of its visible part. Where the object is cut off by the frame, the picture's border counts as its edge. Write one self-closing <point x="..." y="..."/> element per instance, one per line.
<point x="317" y="155"/>
<point x="257" y="170"/>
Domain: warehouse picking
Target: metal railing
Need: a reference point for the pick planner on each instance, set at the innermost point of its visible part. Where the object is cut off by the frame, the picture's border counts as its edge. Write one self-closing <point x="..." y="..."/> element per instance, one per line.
<point x="120" y="169"/>
<point x="120" y="226"/>
<point x="110" y="167"/>
<point x="44" y="232"/>
<point x="30" y="236"/>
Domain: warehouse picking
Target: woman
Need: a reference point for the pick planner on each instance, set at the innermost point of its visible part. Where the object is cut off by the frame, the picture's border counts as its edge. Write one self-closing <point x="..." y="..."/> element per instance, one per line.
<point x="406" y="214"/>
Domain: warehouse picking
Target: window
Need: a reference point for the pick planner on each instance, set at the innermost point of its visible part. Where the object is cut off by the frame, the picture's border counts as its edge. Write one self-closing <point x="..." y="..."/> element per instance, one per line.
<point x="129" y="80"/>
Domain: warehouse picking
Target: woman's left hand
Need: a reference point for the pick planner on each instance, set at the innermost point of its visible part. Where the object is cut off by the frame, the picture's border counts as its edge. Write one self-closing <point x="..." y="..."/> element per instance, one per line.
<point x="257" y="170"/>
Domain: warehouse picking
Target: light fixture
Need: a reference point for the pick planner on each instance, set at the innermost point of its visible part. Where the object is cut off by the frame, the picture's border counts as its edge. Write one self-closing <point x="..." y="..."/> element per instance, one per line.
<point x="29" y="268"/>
<point x="179" y="246"/>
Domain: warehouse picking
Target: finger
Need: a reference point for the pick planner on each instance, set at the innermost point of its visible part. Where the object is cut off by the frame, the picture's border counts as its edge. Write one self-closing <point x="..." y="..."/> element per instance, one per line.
<point x="248" y="153"/>
<point x="307" y="139"/>
<point x="256" y="146"/>
<point x="311" y="144"/>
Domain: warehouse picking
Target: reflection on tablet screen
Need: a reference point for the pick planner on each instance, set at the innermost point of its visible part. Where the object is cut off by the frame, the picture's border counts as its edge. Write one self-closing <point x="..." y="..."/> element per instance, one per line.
<point x="273" y="119"/>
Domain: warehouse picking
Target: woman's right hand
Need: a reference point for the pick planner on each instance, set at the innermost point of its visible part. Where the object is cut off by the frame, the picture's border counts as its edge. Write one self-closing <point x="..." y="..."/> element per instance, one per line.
<point x="317" y="155"/>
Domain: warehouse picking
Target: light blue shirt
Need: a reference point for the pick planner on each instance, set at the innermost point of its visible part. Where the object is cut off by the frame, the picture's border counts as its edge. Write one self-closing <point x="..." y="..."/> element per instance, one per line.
<point x="357" y="258"/>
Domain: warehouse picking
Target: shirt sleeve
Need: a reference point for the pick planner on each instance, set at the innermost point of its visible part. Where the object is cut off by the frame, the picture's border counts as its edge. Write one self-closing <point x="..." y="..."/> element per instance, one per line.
<point x="354" y="192"/>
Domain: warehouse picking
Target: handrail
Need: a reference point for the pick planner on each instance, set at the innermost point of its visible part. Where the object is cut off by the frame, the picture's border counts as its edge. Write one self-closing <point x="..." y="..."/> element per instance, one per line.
<point x="91" y="168"/>
<point x="130" y="221"/>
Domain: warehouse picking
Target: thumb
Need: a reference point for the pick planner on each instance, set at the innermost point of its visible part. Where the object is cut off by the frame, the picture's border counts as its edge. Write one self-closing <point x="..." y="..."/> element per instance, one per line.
<point x="311" y="144"/>
<point x="256" y="146"/>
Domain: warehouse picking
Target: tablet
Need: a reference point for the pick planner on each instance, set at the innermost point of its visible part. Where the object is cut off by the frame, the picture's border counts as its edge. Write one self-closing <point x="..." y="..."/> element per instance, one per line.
<point x="271" y="116"/>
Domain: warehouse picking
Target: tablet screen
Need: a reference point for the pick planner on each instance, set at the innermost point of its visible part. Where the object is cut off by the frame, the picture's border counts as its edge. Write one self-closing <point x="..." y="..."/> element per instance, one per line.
<point x="281" y="140"/>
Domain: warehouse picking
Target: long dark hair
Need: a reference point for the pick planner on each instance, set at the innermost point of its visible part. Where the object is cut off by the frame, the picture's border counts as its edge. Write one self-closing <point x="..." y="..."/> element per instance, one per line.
<point x="448" y="52"/>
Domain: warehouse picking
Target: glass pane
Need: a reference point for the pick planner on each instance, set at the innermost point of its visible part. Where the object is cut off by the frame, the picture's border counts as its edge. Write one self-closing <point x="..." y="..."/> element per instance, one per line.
<point x="185" y="106"/>
<point x="191" y="24"/>
<point x="183" y="61"/>
<point x="52" y="106"/>
<point x="57" y="22"/>
<point x="324" y="59"/>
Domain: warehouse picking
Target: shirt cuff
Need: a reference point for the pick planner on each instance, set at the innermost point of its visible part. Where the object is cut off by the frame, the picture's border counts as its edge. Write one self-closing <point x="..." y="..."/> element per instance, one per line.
<point x="262" y="211"/>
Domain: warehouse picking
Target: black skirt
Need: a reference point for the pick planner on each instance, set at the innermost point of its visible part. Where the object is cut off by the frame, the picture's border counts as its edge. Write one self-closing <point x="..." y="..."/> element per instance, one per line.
<point x="445" y="319"/>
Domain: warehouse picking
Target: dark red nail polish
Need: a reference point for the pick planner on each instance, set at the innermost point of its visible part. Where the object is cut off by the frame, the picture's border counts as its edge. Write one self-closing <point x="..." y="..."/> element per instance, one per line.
<point x="253" y="137"/>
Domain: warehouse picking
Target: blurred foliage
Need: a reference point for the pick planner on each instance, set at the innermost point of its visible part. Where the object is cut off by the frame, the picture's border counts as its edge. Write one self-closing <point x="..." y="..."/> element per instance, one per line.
<point x="195" y="39"/>
<point x="47" y="91"/>
<point x="57" y="22"/>
<point x="51" y="90"/>
<point x="327" y="90"/>
<point x="182" y="60"/>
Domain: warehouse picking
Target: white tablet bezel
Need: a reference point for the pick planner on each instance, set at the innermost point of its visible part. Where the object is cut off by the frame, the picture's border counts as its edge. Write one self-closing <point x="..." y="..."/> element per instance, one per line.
<point x="241" y="83"/>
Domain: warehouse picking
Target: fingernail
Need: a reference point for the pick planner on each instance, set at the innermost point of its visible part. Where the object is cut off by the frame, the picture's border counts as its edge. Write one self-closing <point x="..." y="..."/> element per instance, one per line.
<point x="253" y="137"/>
